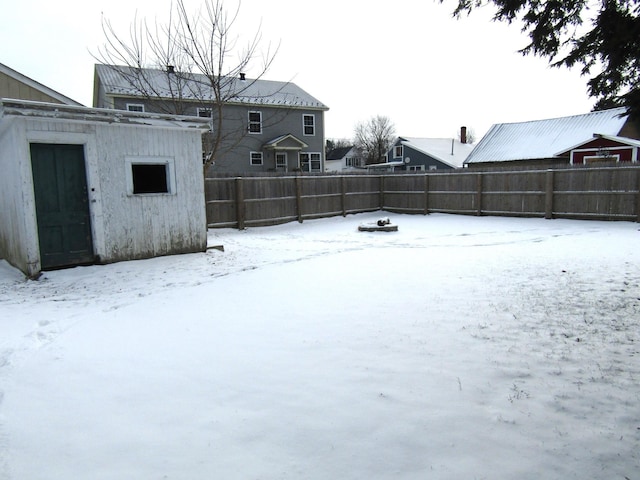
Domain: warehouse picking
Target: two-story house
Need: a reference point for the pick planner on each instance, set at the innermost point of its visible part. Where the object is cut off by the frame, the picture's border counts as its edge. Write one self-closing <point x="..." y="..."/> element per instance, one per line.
<point x="265" y="125"/>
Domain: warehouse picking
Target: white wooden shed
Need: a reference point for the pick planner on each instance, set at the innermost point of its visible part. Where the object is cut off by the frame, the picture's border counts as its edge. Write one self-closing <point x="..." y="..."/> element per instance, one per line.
<point x="81" y="185"/>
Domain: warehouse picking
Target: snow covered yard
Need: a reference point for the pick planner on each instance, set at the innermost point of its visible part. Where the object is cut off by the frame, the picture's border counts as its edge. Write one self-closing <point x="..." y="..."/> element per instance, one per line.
<point x="457" y="347"/>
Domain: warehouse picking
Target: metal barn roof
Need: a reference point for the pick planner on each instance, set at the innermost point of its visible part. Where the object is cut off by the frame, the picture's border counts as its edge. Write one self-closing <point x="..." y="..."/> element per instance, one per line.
<point x="121" y="81"/>
<point x="541" y="139"/>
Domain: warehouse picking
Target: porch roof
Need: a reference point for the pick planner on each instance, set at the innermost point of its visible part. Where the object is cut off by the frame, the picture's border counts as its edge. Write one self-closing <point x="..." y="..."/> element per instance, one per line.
<point x="285" y="142"/>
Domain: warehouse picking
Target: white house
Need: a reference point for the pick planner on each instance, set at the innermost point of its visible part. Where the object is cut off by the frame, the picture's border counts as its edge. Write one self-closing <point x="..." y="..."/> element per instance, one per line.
<point x="82" y="185"/>
<point x="344" y="159"/>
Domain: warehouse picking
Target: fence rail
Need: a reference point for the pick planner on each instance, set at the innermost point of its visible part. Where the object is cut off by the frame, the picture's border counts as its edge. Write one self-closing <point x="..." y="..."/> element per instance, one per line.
<point x="606" y="193"/>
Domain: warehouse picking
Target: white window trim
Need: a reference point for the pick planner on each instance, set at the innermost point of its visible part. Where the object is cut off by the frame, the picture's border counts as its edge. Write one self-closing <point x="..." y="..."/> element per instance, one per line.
<point x="251" y="154"/>
<point x="615" y="157"/>
<point x="304" y="125"/>
<point x="250" y="122"/>
<point x="141" y="105"/>
<point x="310" y="154"/>
<point x="401" y="147"/>
<point x="169" y="163"/>
<point x="205" y="109"/>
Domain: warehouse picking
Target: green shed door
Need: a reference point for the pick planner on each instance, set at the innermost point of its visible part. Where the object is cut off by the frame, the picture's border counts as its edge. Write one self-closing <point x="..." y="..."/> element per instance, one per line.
<point x="62" y="207"/>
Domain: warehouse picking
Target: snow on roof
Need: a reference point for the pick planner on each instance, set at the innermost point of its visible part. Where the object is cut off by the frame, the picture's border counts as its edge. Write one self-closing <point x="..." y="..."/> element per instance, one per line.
<point x="614" y="138"/>
<point x="542" y="139"/>
<point x="447" y="150"/>
<point x="27" y="108"/>
<point x="121" y="80"/>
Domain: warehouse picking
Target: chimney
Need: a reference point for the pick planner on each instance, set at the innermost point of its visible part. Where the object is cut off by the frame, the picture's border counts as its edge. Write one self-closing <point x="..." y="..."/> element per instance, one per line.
<point x="171" y="69"/>
<point x="463" y="134"/>
<point x="242" y="76"/>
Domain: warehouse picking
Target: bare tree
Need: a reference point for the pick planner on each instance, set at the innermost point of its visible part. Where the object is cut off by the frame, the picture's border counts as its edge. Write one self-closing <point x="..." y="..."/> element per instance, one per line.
<point x="333" y="143"/>
<point x="191" y="52"/>
<point x="374" y="138"/>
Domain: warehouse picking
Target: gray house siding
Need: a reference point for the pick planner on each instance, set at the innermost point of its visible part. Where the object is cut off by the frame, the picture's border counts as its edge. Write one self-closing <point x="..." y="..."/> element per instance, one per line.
<point x="246" y="143"/>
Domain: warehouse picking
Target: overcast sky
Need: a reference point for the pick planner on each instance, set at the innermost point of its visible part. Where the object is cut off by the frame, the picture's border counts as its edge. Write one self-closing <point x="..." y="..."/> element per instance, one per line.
<point x="407" y="59"/>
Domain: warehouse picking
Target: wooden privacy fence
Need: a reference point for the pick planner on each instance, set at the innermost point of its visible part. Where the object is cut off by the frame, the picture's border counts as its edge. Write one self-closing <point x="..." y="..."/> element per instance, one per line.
<point x="606" y="193"/>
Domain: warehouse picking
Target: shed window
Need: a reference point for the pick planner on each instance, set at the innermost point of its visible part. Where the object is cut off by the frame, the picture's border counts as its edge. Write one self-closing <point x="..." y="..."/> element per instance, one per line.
<point x="151" y="175"/>
<point x="149" y="178"/>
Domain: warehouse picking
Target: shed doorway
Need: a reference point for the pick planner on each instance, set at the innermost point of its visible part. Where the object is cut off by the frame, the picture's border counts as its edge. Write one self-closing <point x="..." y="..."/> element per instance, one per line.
<point x="62" y="205"/>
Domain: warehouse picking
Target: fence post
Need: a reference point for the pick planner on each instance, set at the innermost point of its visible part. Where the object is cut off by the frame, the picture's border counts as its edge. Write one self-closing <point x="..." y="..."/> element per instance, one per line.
<point x="240" y="206"/>
<point x="638" y="199"/>
<point x="548" y="196"/>
<point x="426" y="194"/>
<point x="343" y="184"/>
<point x="479" y="194"/>
<point x="299" y="197"/>
<point x="381" y="192"/>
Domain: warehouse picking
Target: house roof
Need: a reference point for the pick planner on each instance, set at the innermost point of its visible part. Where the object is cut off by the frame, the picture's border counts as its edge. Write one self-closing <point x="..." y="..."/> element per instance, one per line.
<point x="338" y="153"/>
<point x="614" y="138"/>
<point x="121" y="81"/>
<point x="447" y="150"/>
<point x="10" y="72"/>
<point x="542" y="139"/>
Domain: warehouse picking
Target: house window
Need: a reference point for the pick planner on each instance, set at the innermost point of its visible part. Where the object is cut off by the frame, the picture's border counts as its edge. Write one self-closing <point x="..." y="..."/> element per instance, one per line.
<point x="606" y="158"/>
<point x="310" y="162"/>
<point x="205" y="112"/>
<point x="135" y="107"/>
<point x="150" y="175"/>
<point x="416" y="168"/>
<point x="309" y="125"/>
<point x="256" y="158"/>
<point x="398" y="151"/>
<point x="352" y="161"/>
<point x="255" y="122"/>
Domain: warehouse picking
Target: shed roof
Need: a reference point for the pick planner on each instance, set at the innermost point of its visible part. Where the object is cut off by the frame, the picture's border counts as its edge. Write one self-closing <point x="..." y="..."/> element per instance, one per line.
<point x="542" y="139"/>
<point x="447" y="150"/>
<point x="25" y="108"/>
<point x="122" y="81"/>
